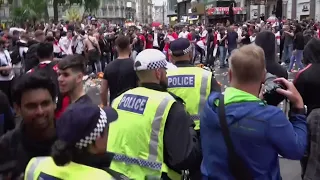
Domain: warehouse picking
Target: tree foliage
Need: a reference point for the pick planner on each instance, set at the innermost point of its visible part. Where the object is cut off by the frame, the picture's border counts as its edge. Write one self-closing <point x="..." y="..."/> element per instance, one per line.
<point x="73" y="14"/>
<point x="20" y="15"/>
<point x="38" y="8"/>
<point x="89" y="5"/>
<point x="35" y="8"/>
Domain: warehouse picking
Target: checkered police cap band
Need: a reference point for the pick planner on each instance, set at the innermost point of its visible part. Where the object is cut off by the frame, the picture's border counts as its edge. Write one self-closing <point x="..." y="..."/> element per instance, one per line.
<point x="181" y="52"/>
<point x="157" y="64"/>
<point x="97" y="131"/>
<point x="186" y="51"/>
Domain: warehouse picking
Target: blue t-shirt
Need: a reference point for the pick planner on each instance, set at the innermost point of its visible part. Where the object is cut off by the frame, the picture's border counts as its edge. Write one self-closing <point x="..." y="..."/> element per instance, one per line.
<point x="232" y="39"/>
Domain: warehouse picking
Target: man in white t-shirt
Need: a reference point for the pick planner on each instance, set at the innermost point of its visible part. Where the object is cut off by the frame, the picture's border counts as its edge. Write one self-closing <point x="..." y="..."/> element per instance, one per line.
<point x="65" y="43"/>
<point x="184" y="33"/>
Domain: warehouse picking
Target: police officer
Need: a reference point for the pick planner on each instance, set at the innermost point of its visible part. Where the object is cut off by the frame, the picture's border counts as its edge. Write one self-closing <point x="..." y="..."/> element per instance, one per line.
<point x="79" y="153"/>
<point x="192" y="84"/>
<point x="153" y="137"/>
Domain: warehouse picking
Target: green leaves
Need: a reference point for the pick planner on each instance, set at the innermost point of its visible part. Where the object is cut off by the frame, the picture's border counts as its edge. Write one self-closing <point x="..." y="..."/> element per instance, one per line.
<point x="91" y="5"/>
<point x="37" y="9"/>
<point x="20" y="15"/>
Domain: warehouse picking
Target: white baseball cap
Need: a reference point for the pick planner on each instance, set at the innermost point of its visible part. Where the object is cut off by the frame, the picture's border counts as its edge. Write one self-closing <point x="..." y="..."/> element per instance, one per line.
<point x="150" y="59"/>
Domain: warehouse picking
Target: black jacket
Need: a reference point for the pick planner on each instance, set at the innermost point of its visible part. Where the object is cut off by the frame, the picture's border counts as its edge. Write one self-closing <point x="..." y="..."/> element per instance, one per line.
<point x="181" y="145"/>
<point x="6" y="115"/>
<point x="16" y="150"/>
<point x="307" y="83"/>
<point x="298" y="41"/>
<point x="307" y="80"/>
<point x="104" y="45"/>
<point x="267" y="41"/>
<point x="31" y="58"/>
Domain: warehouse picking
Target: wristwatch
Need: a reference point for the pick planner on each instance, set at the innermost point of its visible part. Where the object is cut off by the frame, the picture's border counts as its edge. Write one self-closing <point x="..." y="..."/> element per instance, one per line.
<point x="302" y="111"/>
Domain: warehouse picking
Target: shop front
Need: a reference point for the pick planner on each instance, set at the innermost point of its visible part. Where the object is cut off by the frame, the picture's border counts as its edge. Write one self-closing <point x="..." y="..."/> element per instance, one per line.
<point x="218" y="14"/>
<point x="189" y="14"/>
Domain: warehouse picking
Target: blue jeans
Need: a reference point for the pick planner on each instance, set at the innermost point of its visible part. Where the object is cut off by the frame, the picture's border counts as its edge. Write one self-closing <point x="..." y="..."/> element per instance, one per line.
<point x="94" y="67"/>
<point x="230" y="49"/>
<point x="296" y="58"/>
<point x="287" y="52"/>
<point x="104" y="60"/>
<point x="222" y="51"/>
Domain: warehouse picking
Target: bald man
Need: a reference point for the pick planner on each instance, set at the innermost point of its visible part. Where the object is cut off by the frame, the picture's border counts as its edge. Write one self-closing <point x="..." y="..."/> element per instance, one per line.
<point x="257" y="132"/>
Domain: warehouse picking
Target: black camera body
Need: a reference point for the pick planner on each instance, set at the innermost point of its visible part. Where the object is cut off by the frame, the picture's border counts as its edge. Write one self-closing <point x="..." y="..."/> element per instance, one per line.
<point x="4" y="73"/>
<point x="270" y="95"/>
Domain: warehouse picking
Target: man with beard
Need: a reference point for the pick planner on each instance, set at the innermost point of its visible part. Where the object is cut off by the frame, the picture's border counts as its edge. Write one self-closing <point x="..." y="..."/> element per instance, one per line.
<point x="157" y="120"/>
<point x="71" y="70"/>
<point x="34" y="101"/>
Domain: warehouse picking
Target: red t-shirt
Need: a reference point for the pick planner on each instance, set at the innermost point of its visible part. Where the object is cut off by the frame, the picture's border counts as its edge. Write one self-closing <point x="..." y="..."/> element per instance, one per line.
<point x="149" y="44"/>
<point x="189" y="36"/>
<point x="215" y="41"/>
<point x="142" y="38"/>
<point x="175" y="35"/>
<point x="64" y="105"/>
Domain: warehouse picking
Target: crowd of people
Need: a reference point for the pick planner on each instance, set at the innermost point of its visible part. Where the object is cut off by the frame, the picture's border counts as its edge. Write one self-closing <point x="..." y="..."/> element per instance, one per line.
<point x="161" y="116"/>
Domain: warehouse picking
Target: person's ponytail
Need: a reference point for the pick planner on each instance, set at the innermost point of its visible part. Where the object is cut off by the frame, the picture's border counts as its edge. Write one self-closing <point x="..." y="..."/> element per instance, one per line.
<point x="61" y="153"/>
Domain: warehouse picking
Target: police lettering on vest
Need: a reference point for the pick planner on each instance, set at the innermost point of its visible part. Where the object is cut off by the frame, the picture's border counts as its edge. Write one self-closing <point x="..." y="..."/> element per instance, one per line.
<point x="133" y="103"/>
<point x="181" y="81"/>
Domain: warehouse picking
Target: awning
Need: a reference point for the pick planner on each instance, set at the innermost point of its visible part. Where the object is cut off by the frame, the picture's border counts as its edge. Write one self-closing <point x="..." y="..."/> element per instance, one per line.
<point x="171" y="15"/>
<point x="224" y="10"/>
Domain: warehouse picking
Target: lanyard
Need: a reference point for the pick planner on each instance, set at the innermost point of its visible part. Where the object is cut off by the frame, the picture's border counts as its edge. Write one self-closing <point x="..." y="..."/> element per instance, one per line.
<point x="5" y="56"/>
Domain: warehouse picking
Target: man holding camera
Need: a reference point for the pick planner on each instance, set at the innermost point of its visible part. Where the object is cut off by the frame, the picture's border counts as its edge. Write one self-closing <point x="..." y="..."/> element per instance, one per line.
<point x="258" y="132"/>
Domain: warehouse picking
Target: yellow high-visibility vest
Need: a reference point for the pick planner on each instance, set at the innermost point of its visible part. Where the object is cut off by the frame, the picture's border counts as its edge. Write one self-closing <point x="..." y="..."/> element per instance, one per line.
<point x="137" y="136"/>
<point x="193" y="85"/>
<point x="44" y="167"/>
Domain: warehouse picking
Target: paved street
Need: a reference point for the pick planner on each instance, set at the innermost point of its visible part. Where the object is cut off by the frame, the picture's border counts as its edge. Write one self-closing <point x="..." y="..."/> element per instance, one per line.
<point x="290" y="170"/>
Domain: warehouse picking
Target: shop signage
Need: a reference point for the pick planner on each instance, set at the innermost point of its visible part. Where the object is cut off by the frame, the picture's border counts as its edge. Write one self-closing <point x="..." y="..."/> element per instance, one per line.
<point x="222" y="10"/>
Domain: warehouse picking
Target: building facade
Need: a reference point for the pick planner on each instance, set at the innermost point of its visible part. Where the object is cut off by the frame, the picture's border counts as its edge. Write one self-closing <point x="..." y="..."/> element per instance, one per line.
<point x="117" y="11"/>
<point x="172" y="11"/>
<point x="191" y="14"/>
<point x="301" y="9"/>
<point x="159" y="13"/>
<point x="252" y="9"/>
<point x="291" y="9"/>
<point x="144" y="11"/>
<point x="5" y="11"/>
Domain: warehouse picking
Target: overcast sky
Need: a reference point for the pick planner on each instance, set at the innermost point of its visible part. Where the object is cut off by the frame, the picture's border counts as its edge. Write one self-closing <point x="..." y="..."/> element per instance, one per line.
<point x="158" y="2"/>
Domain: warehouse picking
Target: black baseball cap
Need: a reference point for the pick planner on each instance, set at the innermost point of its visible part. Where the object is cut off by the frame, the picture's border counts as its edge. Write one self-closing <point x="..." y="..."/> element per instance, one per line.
<point x="180" y="47"/>
<point x="84" y="122"/>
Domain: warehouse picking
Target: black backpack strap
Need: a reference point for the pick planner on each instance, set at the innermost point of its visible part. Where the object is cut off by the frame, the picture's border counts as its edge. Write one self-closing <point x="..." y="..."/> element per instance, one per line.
<point x="93" y="44"/>
<point x="224" y="125"/>
<point x="237" y="167"/>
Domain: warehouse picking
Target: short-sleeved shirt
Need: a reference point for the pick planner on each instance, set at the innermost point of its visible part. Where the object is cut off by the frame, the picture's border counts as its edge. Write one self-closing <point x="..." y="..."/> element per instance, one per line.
<point x="232" y="39"/>
<point x="121" y="77"/>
